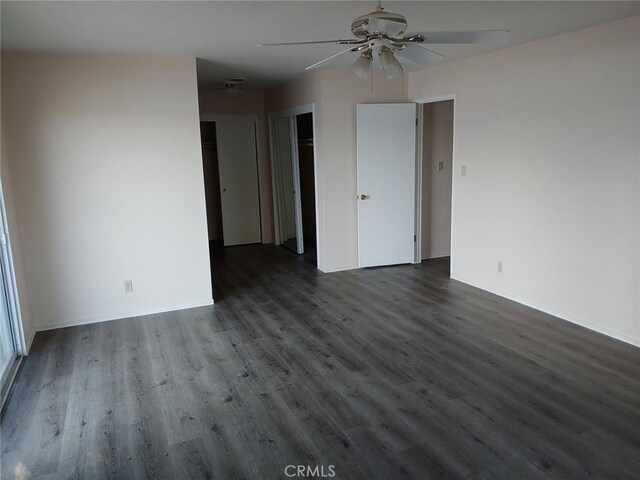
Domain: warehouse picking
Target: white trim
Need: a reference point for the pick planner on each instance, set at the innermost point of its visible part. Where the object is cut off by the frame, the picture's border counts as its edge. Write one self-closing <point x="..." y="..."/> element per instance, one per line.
<point x="295" y="111"/>
<point x="437" y="98"/>
<point x="421" y="102"/>
<point x="44" y="328"/>
<point x="15" y="313"/>
<point x="549" y="311"/>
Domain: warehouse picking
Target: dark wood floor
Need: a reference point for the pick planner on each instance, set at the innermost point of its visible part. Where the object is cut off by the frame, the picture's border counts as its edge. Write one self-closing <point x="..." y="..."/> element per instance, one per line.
<point x="384" y="373"/>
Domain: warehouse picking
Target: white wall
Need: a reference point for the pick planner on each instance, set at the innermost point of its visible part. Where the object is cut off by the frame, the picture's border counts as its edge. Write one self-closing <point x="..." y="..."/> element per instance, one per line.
<point x="437" y="148"/>
<point x="550" y="132"/>
<point x="107" y="184"/>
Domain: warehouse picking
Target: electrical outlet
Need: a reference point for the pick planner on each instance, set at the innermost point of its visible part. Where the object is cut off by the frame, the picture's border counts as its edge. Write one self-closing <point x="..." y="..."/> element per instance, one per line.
<point x="128" y="286"/>
<point x="440" y="166"/>
<point x="499" y="266"/>
<point x="464" y="170"/>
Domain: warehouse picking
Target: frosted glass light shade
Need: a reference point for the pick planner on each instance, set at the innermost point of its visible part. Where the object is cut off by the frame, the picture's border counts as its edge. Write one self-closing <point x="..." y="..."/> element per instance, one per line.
<point x="362" y="66"/>
<point x="389" y="63"/>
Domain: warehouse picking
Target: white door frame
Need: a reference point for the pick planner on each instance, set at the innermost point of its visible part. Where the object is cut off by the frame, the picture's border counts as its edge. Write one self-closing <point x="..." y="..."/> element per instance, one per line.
<point x="294" y="112"/>
<point x="297" y="190"/>
<point x="249" y="117"/>
<point x="419" y="136"/>
<point x="15" y="315"/>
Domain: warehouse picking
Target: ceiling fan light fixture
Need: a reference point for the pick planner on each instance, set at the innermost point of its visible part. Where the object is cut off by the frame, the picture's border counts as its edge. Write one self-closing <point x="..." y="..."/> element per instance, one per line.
<point x="362" y="66"/>
<point x="389" y="64"/>
<point x="384" y="33"/>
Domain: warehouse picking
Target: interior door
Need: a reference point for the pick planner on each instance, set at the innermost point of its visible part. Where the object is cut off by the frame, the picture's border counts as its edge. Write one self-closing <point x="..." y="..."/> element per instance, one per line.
<point x="239" y="194"/>
<point x="386" y="144"/>
<point x="287" y="183"/>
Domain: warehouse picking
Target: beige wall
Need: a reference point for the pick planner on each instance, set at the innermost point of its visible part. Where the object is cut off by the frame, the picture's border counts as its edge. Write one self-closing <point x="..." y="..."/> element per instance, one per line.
<point x="106" y="185"/>
<point x="549" y="132"/>
<point x="437" y="148"/>
<point x="248" y="102"/>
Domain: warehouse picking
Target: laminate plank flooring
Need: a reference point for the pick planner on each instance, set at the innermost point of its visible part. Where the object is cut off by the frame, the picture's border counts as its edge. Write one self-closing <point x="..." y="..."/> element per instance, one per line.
<point x="383" y="373"/>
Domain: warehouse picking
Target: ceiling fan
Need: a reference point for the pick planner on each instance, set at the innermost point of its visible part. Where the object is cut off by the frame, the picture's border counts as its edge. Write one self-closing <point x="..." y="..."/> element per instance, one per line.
<point x="384" y="34"/>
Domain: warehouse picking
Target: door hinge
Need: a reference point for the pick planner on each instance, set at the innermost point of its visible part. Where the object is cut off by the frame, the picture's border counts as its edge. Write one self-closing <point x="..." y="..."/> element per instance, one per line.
<point x="415" y="238"/>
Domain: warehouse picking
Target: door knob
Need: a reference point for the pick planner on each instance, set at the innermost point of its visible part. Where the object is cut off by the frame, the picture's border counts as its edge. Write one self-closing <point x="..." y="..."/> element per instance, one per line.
<point x="364" y="197"/>
<point x="224" y="189"/>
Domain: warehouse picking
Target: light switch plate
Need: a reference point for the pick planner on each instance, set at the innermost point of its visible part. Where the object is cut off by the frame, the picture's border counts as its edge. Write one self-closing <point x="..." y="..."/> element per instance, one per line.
<point x="128" y="286"/>
<point x="464" y="170"/>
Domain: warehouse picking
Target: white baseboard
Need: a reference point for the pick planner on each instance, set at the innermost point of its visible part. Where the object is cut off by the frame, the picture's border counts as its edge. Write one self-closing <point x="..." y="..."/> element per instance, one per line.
<point x="42" y="328"/>
<point x="30" y="341"/>
<point x="562" y="316"/>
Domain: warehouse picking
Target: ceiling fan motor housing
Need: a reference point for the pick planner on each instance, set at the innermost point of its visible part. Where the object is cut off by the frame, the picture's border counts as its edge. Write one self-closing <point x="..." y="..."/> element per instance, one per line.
<point x="383" y="23"/>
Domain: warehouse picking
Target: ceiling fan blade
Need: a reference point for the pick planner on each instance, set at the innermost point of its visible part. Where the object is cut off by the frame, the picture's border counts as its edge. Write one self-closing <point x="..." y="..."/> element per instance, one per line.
<point x="317" y="64"/>
<point x="470" y="36"/>
<point x="418" y="54"/>
<point x="353" y="41"/>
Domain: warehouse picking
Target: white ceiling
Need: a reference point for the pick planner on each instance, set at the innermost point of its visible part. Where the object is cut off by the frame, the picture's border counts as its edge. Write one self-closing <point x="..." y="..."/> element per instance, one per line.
<point x="223" y="35"/>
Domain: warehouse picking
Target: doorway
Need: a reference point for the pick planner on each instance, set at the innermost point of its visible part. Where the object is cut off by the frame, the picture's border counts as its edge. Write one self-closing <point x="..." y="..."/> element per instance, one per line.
<point x="231" y="181"/>
<point x="294" y="182"/>
<point x="230" y="166"/>
<point x="212" y="184"/>
<point x="306" y="163"/>
<point x="436" y="178"/>
<point x="12" y="341"/>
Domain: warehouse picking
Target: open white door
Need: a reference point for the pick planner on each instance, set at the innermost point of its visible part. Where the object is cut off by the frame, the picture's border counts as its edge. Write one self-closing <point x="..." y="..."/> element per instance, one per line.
<point x="295" y="155"/>
<point x="238" y="166"/>
<point x="286" y="172"/>
<point x="386" y="145"/>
